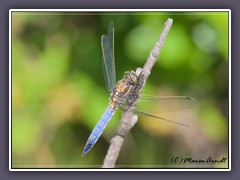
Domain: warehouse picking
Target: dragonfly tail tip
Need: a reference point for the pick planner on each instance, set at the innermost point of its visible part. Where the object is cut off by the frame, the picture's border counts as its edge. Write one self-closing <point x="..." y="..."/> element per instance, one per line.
<point x="83" y="153"/>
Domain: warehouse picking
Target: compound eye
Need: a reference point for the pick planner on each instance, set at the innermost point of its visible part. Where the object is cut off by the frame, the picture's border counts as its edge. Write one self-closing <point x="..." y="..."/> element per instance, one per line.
<point x="126" y="73"/>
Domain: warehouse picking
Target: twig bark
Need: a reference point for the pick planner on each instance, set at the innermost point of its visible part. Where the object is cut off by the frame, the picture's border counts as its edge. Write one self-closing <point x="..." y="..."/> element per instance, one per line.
<point x="128" y="119"/>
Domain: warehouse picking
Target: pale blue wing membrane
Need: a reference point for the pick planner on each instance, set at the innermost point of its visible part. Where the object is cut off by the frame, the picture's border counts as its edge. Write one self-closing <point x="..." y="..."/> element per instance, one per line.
<point x="109" y="73"/>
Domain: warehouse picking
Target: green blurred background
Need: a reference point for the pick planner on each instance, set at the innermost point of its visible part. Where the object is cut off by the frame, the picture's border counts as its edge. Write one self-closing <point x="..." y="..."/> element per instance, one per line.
<point x="59" y="93"/>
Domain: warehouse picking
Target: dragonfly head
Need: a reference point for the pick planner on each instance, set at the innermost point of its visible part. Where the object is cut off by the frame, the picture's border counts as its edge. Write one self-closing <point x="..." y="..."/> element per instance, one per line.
<point x="131" y="76"/>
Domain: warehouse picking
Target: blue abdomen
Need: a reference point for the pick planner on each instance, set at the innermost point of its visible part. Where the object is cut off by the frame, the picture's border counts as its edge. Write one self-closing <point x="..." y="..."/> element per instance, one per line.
<point x="99" y="128"/>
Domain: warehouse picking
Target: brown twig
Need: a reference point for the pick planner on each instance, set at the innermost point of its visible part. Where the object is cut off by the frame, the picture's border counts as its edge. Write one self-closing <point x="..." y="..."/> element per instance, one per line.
<point x="128" y="119"/>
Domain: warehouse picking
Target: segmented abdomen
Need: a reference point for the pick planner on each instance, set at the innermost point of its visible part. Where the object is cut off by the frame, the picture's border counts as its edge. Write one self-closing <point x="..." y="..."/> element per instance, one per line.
<point x="99" y="128"/>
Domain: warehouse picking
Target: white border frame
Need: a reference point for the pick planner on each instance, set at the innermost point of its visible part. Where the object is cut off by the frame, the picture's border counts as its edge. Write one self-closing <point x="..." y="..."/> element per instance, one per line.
<point x="114" y="10"/>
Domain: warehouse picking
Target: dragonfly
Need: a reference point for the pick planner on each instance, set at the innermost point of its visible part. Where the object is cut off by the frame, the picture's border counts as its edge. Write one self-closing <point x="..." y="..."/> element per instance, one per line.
<point x="124" y="92"/>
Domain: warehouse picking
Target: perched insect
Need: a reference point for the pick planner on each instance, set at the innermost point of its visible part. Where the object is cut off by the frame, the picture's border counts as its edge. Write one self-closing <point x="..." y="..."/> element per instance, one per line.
<point x="125" y="91"/>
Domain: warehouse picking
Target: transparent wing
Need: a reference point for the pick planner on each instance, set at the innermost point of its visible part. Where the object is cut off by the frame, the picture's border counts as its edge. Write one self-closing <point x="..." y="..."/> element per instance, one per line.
<point x="153" y="106"/>
<point x="165" y="104"/>
<point x="109" y="73"/>
<point x="158" y="117"/>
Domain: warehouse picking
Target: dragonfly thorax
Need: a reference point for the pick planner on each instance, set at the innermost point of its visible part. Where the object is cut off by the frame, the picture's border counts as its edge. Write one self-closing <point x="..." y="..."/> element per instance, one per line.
<point x="123" y="88"/>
